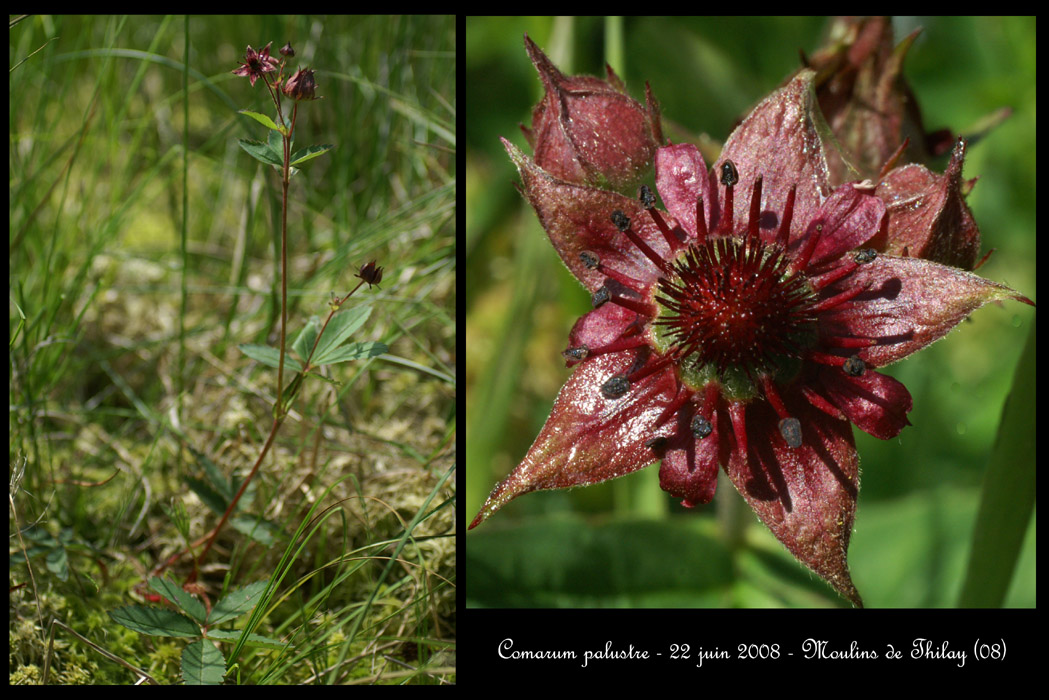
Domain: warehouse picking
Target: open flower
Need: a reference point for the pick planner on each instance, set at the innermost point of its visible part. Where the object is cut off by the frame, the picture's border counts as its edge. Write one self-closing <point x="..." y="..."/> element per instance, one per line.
<point x="740" y="329"/>
<point x="256" y="63"/>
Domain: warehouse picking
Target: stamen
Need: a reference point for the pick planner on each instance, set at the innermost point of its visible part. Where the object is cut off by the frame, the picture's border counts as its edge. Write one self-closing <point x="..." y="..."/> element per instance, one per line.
<point x="789" y="427"/>
<point x="648" y="201"/>
<point x="755" y="210"/>
<point x="783" y="237"/>
<point x="839" y="299"/>
<point x="592" y="262"/>
<point x="622" y="222"/>
<point x="739" y="427"/>
<point x="615" y="387"/>
<point x="801" y="260"/>
<point x="701" y="220"/>
<point x="729" y="177"/>
<point x="605" y="293"/>
<point x="854" y="366"/>
<point x="822" y="403"/>
<point x="701" y="427"/>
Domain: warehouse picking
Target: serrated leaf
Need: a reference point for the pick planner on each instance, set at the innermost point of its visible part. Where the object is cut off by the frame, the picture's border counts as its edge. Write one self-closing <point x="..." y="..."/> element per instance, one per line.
<point x="341" y="327"/>
<point x="270" y="356"/>
<point x="355" y="351"/>
<point x="260" y="151"/>
<point x="260" y="118"/>
<point x="236" y="603"/>
<point x="253" y="640"/>
<point x="155" y="621"/>
<point x="203" y="664"/>
<point x="173" y="592"/>
<point x="309" y="153"/>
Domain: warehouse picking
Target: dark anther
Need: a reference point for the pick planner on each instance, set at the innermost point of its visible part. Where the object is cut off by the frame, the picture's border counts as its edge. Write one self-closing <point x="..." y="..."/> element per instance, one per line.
<point x="590" y="261"/>
<point x="701" y="427"/>
<point x="854" y="366"/>
<point x="579" y="353"/>
<point x="615" y="387"/>
<point x="648" y="200"/>
<point x="866" y="256"/>
<point x="790" y="429"/>
<point x="729" y="175"/>
<point x="621" y="220"/>
<point x="600" y="296"/>
<point x="656" y="444"/>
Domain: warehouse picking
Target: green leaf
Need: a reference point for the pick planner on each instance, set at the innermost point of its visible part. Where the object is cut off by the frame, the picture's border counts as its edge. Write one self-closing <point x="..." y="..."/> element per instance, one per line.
<point x="261" y="152"/>
<point x="156" y="621"/>
<point x="1007" y="500"/>
<point x="276" y="144"/>
<point x="355" y="351"/>
<point x="309" y="153"/>
<point x="236" y="603"/>
<point x="260" y="118"/>
<point x="270" y="356"/>
<point x="173" y="592"/>
<point x="304" y="342"/>
<point x="253" y="640"/>
<point x="203" y="664"/>
<point x="342" y="325"/>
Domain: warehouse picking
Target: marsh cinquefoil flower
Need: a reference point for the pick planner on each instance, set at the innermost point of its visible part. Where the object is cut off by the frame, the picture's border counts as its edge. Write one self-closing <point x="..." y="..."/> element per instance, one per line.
<point x="740" y="328"/>
<point x="256" y="63"/>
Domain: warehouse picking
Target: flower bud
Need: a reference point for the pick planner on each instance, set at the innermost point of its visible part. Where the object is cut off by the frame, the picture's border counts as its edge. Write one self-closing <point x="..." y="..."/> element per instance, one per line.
<point x="301" y="86"/>
<point x="287" y="51"/>
<point x="590" y="131"/>
<point x="370" y="273"/>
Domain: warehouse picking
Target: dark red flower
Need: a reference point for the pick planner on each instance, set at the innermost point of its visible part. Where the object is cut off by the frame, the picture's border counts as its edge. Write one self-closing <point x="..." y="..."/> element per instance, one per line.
<point x="257" y="63"/>
<point x="370" y="273"/>
<point x="741" y="329"/>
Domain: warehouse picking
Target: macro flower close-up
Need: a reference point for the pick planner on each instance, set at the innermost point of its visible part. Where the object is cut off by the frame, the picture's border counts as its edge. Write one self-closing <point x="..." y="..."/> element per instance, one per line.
<point x="743" y="307"/>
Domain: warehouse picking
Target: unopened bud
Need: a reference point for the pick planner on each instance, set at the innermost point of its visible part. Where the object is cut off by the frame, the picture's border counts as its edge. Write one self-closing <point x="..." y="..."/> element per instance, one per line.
<point x="370" y="273"/>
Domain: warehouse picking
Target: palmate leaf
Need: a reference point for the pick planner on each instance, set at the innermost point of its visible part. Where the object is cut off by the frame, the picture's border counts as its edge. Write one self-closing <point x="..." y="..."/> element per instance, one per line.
<point x="236" y="603"/>
<point x="155" y="621"/>
<point x="202" y="664"/>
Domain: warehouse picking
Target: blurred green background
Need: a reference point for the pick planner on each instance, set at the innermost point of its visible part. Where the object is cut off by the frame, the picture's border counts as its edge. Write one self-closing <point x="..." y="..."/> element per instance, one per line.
<point x="625" y="542"/>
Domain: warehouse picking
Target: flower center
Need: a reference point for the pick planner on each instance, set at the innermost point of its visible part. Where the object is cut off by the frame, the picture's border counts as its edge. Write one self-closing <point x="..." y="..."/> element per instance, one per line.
<point x="733" y="311"/>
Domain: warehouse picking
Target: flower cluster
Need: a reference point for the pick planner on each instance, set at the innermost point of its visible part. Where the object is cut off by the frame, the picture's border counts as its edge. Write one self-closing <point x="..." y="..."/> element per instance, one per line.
<point x="741" y="327"/>
<point x="300" y="86"/>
